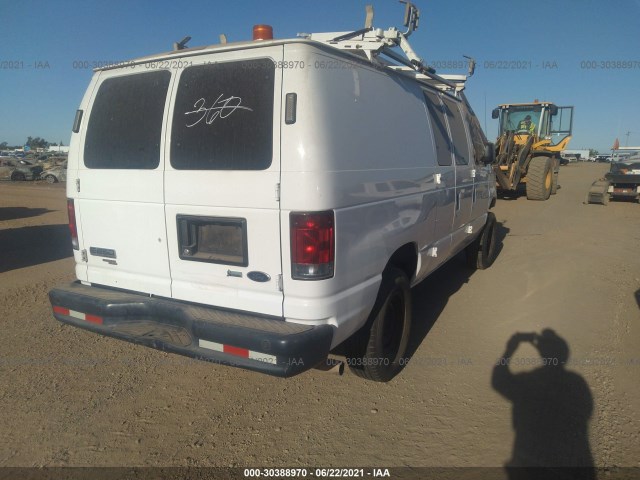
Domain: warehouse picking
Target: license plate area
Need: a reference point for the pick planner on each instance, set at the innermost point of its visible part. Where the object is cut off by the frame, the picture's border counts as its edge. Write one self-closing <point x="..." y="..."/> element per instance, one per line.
<point x="213" y="240"/>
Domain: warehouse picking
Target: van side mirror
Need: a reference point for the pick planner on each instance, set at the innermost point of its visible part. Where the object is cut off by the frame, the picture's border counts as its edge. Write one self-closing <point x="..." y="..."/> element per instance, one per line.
<point x="495" y="113"/>
<point x="489" y="156"/>
<point x="553" y="109"/>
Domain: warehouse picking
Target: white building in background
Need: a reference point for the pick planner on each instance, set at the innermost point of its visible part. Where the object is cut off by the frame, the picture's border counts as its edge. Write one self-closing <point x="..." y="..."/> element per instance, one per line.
<point x="579" y="154"/>
<point x="59" y="148"/>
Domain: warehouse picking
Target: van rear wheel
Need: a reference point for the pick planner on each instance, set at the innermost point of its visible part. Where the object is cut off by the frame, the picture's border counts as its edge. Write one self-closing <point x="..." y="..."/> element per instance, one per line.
<point x="377" y="352"/>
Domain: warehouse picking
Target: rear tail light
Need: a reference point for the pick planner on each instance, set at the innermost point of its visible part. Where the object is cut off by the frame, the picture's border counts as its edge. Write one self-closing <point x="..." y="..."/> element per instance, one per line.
<point x="71" y="210"/>
<point x="312" y="245"/>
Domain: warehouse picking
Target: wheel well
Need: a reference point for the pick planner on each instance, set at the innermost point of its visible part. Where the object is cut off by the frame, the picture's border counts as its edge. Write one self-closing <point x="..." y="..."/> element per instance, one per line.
<point x="406" y="259"/>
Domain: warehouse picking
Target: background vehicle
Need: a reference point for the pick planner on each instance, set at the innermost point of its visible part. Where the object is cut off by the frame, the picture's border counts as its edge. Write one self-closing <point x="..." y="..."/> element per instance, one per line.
<point x="570" y="159"/>
<point x="57" y="173"/>
<point x="18" y="170"/>
<point x="621" y="182"/>
<point x="531" y="156"/>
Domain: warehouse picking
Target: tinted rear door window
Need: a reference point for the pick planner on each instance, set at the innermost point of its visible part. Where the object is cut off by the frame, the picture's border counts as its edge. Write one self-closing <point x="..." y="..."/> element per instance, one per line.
<point x="125" y="126"/>
<point x="223" y="117"/>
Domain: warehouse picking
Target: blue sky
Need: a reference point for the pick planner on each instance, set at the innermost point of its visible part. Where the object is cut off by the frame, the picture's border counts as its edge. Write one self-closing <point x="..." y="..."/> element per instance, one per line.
<point x="565" y="36"/>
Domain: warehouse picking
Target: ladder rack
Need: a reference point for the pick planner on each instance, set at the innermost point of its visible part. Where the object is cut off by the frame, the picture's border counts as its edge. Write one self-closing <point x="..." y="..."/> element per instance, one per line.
<point x="373" y="42"/>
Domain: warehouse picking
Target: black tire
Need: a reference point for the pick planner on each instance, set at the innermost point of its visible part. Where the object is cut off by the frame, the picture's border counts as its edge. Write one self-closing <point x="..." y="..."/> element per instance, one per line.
<point x="377" y="352"/>
<point x="482" y="252"/>
<point x="18" y="177"/>
<point x="556" y="173"/>
<point x="539" y="178"/>
<point x="51" y="179"/>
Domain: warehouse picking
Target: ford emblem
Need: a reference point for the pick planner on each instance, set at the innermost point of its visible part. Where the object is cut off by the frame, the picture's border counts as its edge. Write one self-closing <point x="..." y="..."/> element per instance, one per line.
<point x="258" y="277"/>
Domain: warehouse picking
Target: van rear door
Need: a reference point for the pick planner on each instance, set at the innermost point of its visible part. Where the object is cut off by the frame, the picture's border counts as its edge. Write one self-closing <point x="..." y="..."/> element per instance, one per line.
<point x="120" y="201"/>
<point x="222" y="181"/>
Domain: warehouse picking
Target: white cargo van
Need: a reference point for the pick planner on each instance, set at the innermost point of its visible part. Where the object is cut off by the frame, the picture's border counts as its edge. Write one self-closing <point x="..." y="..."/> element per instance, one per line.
<point x="258" y="204"/>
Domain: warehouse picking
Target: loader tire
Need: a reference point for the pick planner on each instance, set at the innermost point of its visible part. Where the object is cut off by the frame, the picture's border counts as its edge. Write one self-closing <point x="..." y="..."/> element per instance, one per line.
<point x="377" y="352"/>
<point x="554" y="183"/>
<point x="539" y="178"/>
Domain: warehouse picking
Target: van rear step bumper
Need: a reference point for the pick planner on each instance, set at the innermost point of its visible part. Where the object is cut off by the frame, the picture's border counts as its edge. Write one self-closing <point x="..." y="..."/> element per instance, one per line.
<point x="262" y="344"/>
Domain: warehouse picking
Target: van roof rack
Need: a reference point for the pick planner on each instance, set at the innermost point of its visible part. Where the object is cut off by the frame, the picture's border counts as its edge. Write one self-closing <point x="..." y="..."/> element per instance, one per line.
<point x="373" y="42"/>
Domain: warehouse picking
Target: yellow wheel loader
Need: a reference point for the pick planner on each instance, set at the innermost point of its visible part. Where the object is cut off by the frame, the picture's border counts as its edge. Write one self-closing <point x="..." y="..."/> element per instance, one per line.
<point x="531" y="137"/>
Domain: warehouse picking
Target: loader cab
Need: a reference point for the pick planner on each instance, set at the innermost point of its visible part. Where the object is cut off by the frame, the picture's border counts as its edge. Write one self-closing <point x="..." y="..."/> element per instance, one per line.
<point x="515" y="118"/>
<point x="551" y="123"/>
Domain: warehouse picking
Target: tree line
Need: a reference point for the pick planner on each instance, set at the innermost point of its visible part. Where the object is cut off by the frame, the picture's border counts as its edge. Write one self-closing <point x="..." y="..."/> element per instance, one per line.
<point x="32" y="142"/>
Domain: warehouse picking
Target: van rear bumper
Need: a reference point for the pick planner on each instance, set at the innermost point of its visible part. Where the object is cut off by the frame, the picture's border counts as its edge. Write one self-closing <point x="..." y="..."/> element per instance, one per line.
<point x="258" y="343"/>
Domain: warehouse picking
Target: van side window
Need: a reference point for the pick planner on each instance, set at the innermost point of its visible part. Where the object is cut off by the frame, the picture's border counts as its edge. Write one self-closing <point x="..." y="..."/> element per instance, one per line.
<point x="125" y="125"/>
<point x="478" y="139"/>
<point x="223" y="117"/>
<point x="439" y="127"/>
<point x="458" y="133"/>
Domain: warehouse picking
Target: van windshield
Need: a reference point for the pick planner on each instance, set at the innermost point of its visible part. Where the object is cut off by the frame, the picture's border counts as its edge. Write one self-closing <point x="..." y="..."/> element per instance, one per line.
<point x="223" y="117"/>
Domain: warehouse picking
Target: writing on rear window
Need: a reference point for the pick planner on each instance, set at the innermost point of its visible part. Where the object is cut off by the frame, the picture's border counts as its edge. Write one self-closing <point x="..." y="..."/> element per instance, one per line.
<point x="223" y="117"/>
<point x="220" y="108"/>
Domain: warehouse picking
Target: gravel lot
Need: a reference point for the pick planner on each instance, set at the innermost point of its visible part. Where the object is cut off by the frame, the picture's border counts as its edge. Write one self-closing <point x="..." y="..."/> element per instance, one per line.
<point x="72" y="398"/>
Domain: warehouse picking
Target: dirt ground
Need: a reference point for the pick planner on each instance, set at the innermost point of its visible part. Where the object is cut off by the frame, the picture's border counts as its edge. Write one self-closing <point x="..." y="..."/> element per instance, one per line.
<point x="73" y="398"/>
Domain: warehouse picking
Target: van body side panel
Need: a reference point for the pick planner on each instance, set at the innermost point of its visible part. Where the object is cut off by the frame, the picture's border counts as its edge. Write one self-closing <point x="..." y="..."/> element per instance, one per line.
<point x="74" y="160"/>
<point x="360" y="146"/>
<point x="483" y="191"/>
<point x="221" y="181"/>
<point x="120" y="174"/>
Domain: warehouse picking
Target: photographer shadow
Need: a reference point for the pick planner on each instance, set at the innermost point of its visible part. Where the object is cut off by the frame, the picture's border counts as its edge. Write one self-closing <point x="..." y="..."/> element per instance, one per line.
<point x="551" y="411"/>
